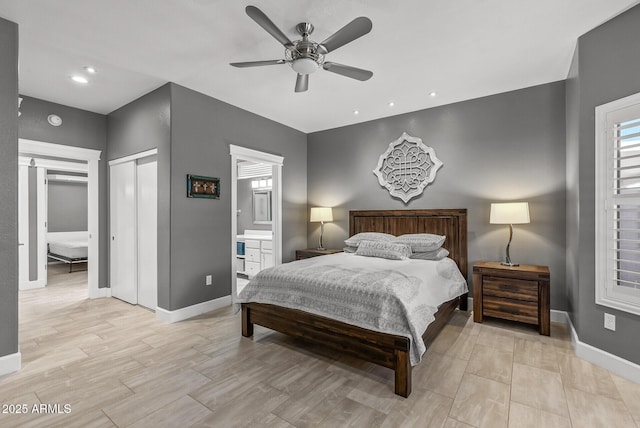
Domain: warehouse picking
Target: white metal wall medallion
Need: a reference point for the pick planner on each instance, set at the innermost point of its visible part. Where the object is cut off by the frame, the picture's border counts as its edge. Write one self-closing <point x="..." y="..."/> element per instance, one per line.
<point x="407" y="167"/>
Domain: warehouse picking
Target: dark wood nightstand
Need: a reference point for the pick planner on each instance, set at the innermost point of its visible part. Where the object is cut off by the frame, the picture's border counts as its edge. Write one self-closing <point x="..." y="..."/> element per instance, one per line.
<point x="518" y="293"/>
<point x="314" y="252"/>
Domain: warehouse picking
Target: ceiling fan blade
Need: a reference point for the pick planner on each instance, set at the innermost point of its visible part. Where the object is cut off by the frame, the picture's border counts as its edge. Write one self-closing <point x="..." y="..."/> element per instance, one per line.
<point x="302" y="82"/>
<point x="257" y="63"/>
<point x="271" y="28"/>
<point x="348" y="71"/>
<point x="356" y="28"/>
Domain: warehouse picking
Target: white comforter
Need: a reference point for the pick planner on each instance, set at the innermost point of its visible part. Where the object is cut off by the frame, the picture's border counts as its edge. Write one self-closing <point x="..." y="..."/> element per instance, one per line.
<point x="390" y="296"/>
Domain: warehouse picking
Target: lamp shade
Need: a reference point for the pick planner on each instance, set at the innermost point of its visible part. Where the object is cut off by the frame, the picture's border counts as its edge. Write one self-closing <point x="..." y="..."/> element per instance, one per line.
<point x="321" y="214"/>
<point x="509" y="213"/>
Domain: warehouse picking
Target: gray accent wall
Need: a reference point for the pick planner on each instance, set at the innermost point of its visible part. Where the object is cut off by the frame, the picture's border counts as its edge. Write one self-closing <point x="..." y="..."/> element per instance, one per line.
<point x="605" y="68"/>
<point x="66" y="206"/>
<point x="8" y="188"/>
<point x="80" y="128"/>
<point x="192" y="132"/>
<point x="142" y="125"/>
<point x="202" y="128"/>
<point x="572" y="100"/>
<point x="505" y="147"/>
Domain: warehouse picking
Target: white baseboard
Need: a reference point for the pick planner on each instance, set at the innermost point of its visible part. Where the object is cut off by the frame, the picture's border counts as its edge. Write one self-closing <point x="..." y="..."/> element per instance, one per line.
<point x="191" y="311"/>
<point x="10" y="363"/>
<point x="613" y="363"/>
<point x="30" y="285"/>
<point x="100" y="292"/>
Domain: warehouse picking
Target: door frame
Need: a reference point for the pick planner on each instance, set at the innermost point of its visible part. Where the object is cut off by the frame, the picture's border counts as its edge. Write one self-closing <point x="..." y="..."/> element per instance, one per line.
<point x="42" y="166"/>
<point x="92" y="157"/>
<point x="242" y="153"/>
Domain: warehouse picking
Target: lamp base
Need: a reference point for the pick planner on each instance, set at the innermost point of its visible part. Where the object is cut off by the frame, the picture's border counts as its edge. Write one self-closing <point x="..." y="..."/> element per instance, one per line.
<point x="321" y="248"/>
<point x="510" y="264"/>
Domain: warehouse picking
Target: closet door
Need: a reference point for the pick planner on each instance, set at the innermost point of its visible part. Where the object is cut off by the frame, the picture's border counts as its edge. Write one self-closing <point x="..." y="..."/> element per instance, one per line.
<point x="147" y="198"/>
<point x="122" y="192"/>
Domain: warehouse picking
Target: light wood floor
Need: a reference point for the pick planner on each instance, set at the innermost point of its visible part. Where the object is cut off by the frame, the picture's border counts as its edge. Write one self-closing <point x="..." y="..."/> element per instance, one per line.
<point x="116" y="365"/>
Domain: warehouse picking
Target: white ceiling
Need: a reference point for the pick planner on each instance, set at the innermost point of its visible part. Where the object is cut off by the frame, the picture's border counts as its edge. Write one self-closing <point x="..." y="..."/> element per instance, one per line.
<point x="461" y="49"/>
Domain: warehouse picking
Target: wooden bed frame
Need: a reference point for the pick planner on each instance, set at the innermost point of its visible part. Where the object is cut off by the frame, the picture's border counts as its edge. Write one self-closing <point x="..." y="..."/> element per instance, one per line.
<point x="387" y="350"/>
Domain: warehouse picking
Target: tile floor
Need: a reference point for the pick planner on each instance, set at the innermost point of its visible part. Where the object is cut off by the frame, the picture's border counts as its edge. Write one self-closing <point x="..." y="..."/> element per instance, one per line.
<point x="116" y="365"/>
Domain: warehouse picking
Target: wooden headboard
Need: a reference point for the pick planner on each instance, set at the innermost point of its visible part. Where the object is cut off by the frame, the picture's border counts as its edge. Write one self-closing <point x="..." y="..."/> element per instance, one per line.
<point x="449" y="222"/>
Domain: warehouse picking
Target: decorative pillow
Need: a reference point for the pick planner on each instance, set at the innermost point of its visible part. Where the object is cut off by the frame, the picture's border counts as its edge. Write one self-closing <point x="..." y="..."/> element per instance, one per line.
<point x="384" y="250"/>
<point x="354" y="241"/>
<point x="349" y="249"/>
<point x="421" y="242"/>
<point x="438" y="254"/>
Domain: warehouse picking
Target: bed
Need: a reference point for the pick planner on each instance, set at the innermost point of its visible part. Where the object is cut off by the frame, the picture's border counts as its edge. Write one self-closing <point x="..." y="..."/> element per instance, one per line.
<point x="68" y="247"/>
<point x="388" y="350"/>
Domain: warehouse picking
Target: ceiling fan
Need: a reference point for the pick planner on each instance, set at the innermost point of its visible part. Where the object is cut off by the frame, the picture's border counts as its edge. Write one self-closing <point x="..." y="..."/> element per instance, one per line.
<point x="306" y="56"/>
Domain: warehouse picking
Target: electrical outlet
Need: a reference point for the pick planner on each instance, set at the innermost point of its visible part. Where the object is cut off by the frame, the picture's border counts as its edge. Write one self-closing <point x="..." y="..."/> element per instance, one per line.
<point x="208" y="280"/>
<point x="610" y="321"/>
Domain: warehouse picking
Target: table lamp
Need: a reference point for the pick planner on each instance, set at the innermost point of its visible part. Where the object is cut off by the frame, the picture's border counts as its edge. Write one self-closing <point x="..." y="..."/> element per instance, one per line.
<point x="509" y="213"/>
<point x="321" y="214"/>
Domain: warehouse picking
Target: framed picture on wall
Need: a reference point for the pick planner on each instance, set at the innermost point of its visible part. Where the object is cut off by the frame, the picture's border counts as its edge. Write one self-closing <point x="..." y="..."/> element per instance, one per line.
<point x="199" y="186"/>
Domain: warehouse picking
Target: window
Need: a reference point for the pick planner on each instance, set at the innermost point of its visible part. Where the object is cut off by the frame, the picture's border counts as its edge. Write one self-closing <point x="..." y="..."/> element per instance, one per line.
<point x="618" y="204"/>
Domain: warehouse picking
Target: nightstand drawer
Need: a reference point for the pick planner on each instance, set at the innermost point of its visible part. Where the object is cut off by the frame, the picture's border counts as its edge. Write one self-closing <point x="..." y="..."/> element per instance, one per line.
<point x="515" y="310"/>
<point x="510" y="288"/>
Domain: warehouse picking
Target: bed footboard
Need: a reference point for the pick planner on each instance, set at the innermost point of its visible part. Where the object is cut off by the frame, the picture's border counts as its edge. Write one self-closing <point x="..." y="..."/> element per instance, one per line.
<point x="387" y="350"/>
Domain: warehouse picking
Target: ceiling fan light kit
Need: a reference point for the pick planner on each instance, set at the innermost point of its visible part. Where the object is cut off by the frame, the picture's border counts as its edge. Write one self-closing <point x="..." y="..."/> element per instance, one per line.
<point x="306" y="56"/>
<point x="304" y="66"/>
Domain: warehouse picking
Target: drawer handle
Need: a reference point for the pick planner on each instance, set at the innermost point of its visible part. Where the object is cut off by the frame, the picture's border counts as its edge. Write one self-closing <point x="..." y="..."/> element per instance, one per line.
<point x="515" y="311"/>
<point x="508" y="287"/>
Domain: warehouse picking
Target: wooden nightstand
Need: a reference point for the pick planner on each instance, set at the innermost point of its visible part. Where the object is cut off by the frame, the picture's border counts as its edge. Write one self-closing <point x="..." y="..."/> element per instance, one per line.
<point x="518" y="293"/>
<point x="314" y="252"/>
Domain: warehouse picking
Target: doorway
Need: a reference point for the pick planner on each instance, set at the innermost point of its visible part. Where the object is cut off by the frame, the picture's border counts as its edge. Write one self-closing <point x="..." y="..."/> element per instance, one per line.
<point x="239" y="156"/>
<point x="56" y="156"/>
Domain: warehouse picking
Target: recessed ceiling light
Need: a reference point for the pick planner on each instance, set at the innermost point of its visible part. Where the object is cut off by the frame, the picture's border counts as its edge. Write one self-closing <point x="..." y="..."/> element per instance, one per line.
<point x="79" y="79"/>
<point x="391" y="103"/>
<point x="90" y="69"/>
<point x="432" y="94"/>
<point x="356" y="112"/>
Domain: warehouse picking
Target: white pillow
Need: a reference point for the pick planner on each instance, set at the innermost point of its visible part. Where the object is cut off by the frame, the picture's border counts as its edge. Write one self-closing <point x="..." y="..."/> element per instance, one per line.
<point x="354" y="241"/>
<point x="421" y="242"/>
<point x="438" y="254"/>
<point x="384" y="250"/>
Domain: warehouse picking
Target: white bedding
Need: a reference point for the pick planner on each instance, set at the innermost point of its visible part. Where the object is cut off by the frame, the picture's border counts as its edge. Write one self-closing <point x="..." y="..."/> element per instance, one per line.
<point x="73" y="245"/>
<point x="391" y="296"/>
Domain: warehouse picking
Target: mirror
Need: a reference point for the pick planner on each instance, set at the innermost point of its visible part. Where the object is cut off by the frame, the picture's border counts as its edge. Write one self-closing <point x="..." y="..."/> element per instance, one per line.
<point x="262" y="206"/>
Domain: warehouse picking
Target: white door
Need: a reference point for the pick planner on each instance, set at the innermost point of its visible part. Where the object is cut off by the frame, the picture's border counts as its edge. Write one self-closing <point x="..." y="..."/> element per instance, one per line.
<point x="123" y="271"/>
<point x="147" y="198"/>
<point x="23" y="226"/>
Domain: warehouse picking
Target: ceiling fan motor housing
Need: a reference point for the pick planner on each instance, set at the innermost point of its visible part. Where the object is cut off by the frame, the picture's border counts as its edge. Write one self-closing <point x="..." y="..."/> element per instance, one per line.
<point x="304" y="57"/>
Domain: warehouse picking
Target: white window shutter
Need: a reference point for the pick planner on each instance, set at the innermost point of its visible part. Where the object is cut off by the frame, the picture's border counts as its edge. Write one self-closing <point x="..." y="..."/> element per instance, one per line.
<point x="618" y="204"/>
